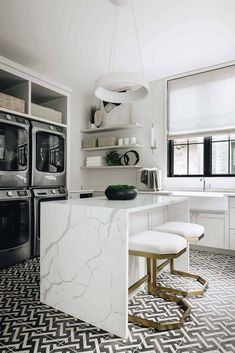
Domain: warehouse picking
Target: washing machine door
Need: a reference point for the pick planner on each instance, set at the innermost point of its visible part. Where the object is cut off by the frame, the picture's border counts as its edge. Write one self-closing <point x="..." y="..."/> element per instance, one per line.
<point x="14" y="147"/>
<point x="14" y="224"/>
<point x="48" y="169"/>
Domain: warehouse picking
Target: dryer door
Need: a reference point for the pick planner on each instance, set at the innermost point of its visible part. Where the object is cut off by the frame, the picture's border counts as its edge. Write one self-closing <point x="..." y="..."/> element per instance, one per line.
<point x="13" y="156"/>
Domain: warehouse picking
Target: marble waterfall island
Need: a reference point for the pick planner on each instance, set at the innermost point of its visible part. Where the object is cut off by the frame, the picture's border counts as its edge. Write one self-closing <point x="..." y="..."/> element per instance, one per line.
<point x="85" y="267"/>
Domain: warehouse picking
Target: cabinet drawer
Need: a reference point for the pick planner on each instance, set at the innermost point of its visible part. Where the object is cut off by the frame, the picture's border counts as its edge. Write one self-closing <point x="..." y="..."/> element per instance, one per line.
<point x="232" y="202"/>
<point x="232" y="239"/>
<point x="232" y="217"/>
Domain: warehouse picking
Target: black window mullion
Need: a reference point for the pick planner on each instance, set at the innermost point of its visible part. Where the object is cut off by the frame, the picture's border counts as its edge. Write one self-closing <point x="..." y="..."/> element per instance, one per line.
<point x="170" y="158"/>
<point x="187" y="157"/>
<point x="207" y="156"/>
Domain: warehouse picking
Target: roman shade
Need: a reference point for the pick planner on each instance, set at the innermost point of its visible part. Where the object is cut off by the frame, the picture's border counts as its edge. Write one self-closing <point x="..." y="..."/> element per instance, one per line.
<point x="202" y="104"/>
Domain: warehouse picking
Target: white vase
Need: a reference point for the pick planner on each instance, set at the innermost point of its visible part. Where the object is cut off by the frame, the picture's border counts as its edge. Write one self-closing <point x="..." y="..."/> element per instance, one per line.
<point x="98" y="118"/>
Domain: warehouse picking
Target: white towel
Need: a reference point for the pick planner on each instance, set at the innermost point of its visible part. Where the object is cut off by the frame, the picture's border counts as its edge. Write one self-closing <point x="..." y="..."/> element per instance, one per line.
<point x="94" y="164"/>
<point x="97" y="158"/>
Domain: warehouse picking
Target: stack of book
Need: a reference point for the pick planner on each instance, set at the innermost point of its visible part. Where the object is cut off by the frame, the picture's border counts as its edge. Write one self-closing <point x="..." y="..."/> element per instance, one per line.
<point x="97" y="161"/>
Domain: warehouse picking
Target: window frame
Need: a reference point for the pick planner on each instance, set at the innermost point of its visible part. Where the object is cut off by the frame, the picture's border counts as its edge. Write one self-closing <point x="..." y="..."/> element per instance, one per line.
<point x="207" y="159"/>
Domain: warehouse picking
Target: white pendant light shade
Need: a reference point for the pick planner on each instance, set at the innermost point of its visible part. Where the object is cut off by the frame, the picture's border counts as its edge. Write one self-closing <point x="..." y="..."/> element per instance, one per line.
<point x="121" y="87"/>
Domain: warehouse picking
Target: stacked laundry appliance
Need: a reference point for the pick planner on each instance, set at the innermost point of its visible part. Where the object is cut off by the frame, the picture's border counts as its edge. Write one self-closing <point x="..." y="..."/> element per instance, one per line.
<point x="32" y="170"/>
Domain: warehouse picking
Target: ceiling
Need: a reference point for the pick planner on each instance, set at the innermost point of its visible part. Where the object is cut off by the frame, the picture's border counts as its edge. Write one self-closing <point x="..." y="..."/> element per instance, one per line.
<point x="70" y="40"/>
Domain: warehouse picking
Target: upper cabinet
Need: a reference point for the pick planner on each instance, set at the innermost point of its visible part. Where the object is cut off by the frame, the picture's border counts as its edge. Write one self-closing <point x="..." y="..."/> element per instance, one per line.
<point x="31" y="95"/>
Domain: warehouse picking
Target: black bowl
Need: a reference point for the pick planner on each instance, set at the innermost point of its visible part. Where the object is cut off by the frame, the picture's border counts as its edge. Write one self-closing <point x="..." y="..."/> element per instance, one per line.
<point x="120" y="194"/>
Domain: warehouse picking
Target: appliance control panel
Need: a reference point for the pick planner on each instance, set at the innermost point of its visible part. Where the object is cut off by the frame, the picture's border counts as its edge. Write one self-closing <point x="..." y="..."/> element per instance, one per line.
<point x="50" y="192"/>
<point x="14" y="194"/>
<point x="22" y="193"/>
<point x="13" y="118"/>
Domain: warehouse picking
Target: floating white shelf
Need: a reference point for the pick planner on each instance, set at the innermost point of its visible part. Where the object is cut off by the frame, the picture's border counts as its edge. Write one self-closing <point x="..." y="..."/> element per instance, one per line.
<point x="115" y="167"/>
<point x="112" y="128"/>
<point x="112" y="147"/>
<point x="30" y="117"/>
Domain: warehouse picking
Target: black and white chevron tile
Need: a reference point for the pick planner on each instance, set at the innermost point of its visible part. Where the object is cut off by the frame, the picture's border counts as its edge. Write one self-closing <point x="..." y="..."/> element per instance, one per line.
<point x="27" y="326"/>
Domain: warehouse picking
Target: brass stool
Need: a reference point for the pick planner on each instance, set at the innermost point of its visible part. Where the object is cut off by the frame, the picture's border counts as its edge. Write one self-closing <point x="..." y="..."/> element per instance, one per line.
<point x="192" y="233"/>
<point x="153" y="246"/>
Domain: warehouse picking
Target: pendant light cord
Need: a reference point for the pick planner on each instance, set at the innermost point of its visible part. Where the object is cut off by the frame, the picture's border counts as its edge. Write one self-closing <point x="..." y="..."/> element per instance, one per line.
<point x="137" y="37"/>
<point x="113" y="41"/>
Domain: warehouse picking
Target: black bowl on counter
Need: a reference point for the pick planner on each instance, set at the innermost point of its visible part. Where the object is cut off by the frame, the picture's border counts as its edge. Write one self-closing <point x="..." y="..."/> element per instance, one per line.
<point x="121" y="192"/>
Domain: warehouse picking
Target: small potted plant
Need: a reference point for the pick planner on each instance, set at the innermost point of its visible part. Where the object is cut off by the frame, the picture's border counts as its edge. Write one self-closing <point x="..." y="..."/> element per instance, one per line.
<point x="92" y="116"/>
<point x="121" y="192"/>
<point x="112" y="158"/>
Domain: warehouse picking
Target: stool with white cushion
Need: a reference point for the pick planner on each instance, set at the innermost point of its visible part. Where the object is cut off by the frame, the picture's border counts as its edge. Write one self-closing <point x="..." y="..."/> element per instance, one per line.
<point x="192" y="233"/>
<point x="153" y="246"/>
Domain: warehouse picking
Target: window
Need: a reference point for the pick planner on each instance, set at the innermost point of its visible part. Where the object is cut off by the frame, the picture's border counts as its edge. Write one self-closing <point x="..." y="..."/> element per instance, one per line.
<point x="188" y="156"/>
<point x="223" y="154"/>
<point x="198" y="156"/>
<point x="202" y="104"/>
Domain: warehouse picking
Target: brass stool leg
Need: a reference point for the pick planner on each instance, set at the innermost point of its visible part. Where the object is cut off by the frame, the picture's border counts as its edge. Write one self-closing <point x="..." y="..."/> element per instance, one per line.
<point x="149" y="272"/>
<point x="182" y="292"/>
<point x="154" y="282"/>
<point x="153" y="290"/>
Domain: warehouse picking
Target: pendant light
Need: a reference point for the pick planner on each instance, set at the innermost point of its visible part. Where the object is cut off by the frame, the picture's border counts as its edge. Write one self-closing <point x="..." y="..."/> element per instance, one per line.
<point x="122" y="86"/>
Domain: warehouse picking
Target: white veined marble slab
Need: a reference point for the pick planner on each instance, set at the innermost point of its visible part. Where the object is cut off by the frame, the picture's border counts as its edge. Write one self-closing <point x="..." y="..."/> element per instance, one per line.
<point x="84" y="255"/>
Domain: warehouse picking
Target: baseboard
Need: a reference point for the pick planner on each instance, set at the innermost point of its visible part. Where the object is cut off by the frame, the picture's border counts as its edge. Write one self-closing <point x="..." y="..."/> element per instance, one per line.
<point x="214" y="250"/>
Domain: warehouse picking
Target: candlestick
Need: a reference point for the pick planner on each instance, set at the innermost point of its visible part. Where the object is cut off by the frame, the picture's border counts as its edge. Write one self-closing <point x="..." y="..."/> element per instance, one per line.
<point x="153" y="141"/>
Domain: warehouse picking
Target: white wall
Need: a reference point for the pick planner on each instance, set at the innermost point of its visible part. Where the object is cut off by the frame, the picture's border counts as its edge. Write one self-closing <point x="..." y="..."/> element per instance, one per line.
<point x="79" y="106"/>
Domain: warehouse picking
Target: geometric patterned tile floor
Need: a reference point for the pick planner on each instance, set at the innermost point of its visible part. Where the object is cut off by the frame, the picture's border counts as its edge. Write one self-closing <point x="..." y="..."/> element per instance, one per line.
<point x="27" y="326"/>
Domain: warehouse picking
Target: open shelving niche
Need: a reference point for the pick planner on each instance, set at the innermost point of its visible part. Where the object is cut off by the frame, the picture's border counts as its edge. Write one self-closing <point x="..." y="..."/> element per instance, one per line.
<point x="23" y="83"/>
<point x="32" y="89"/>
<point x="112" y="128"/>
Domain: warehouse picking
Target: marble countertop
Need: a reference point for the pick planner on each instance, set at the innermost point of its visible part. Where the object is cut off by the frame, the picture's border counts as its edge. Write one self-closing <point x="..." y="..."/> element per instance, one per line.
<point x="82" y="191"/>
<point x="141" y="202"/>
<point x="188" y="193"/>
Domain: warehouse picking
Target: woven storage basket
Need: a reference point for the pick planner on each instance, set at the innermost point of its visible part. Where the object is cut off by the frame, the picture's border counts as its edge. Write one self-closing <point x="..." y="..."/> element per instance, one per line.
<point x="107" y="141"/>
<point x="12" y="103"/>
<point x="90" y="142"/>
<point x="46" y="113"/>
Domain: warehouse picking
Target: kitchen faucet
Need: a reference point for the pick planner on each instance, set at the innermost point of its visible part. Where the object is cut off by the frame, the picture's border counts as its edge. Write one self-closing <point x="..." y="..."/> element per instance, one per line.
<point x="204" y="183"/>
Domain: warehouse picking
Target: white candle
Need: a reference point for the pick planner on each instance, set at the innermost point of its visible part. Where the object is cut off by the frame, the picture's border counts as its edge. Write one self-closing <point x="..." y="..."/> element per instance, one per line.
<point x="120" y="142"/>
<point x="152" y="137"/>
<point x="133" y="140"/>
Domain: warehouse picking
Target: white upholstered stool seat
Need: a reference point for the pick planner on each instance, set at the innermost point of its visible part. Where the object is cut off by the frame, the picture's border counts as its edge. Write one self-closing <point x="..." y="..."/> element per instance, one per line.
<point x="157" y="243"/>
<point x="154" y="245"/>
<point x="189" y="231"/>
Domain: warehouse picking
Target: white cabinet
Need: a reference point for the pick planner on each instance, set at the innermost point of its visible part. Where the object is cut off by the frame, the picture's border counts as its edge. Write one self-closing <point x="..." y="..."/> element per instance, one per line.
<point x="232" y="222"/>
<point x="216" y="229"/>
<point x="232" y="239"/>
<point x="232" y="218"/>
